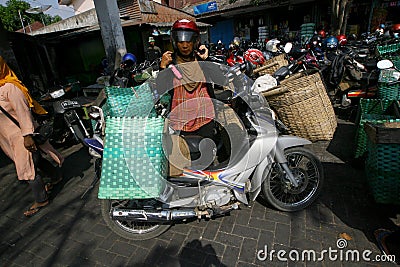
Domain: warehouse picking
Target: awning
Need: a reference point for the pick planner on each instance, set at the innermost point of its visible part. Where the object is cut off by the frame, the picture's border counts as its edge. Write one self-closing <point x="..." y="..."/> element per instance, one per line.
<point x="169" y="24"/>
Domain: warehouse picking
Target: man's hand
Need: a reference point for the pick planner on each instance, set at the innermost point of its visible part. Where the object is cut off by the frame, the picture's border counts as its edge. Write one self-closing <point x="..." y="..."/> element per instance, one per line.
<point x="166" y="59"/>
<point x="204" y="55"/>
<point x="29" y="143"/>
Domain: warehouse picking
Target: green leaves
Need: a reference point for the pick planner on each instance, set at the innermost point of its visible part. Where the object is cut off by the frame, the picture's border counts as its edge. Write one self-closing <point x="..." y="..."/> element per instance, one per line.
<point x="14" y="11"/>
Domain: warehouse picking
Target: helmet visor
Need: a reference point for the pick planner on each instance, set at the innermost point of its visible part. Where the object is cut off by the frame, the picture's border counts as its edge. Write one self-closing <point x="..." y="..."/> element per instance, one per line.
<point x="184" y="36"/>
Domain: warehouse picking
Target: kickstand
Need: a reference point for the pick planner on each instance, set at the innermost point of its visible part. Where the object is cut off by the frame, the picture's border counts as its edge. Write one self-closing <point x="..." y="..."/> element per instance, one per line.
<point x="91" y="186"/>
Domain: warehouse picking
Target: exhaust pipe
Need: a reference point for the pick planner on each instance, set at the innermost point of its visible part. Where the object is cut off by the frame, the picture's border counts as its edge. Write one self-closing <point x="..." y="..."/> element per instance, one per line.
<point x="152" y="216"/>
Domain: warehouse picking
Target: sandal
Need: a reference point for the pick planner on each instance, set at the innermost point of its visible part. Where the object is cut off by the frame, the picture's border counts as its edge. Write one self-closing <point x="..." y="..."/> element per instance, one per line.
<point x="33" y="210"/>
<point x="380" y="236"/>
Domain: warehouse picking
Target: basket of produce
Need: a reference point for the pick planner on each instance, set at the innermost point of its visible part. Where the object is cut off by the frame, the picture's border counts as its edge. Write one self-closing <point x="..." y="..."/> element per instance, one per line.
<point x="303" y="105"/>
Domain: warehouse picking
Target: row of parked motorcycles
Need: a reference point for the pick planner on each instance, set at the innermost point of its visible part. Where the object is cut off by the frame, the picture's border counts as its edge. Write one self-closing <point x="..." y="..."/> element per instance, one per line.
<point x="264" y="162"/>
<point x="348" y="64"/>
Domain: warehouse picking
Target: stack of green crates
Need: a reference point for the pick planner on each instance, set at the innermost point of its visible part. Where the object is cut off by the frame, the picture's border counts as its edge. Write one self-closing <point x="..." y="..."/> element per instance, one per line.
<point x="388" y="87"/>
<point x="307" y="31"/>
<point x="382" y="159"/>
<point x="134" y="164"/>
<point x="128" y="102"/>
<point x="387" y="90"/>
<point x="382" y="165"/>
<point x="374" y="111"/>
<point x="385" y="49"/>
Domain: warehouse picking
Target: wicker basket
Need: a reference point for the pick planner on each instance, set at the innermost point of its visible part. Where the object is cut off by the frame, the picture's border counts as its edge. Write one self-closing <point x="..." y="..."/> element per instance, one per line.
<point x="304" y="107"/>
<point x="389" y="91"/>
<point x="382" y="162"/>
<point x="272" y="65"/>
<point x="134" y="165"/>
<point x="373" y="111"/>
<point x="385" y="49"/>
<point x="128" y="102"/>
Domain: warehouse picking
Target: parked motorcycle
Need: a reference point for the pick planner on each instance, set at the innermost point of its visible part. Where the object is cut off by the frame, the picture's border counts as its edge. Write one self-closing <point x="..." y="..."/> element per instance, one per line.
<point x="263" y="160"/>
<point x="348" y="80"/>
<point x="74" y="127"/>
<point x="134" y="75"/>
<point x="66" y="111"/>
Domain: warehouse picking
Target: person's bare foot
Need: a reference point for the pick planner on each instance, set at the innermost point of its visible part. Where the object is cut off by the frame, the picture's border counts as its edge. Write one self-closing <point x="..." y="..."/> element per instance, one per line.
<point x="35" y="208"/>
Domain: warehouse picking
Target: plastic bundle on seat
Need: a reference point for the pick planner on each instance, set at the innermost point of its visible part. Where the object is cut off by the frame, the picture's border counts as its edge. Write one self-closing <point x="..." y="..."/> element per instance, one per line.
<point x="134" y="164"/>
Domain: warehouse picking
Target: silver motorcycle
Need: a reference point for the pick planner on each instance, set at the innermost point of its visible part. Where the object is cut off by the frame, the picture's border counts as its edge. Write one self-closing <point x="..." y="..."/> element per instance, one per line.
<point x="257" y="159"/>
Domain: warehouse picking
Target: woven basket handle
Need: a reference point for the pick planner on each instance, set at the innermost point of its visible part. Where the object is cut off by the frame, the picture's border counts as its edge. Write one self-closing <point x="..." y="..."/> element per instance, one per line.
<point x="265" y="67"/>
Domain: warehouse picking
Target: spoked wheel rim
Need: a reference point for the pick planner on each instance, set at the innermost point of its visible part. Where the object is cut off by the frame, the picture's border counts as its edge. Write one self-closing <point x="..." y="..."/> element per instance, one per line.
<point x="132" y="226"/>
<point x="306" y="172"/>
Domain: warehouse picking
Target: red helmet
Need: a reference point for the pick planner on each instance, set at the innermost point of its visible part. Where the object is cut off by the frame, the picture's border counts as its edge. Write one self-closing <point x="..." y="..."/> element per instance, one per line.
<point x="342" y="39"/>
<point x="396" y="27"/>
<point x="322" y="34"/>
<point x="254" y="56"/>
<point x="185" y="24"/>
<point x="184" y="30"/>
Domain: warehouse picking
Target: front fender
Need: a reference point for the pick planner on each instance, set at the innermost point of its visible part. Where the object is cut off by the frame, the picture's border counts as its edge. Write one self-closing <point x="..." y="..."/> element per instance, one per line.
<point x="286" y="141"/>
<point x="264" y="167"/>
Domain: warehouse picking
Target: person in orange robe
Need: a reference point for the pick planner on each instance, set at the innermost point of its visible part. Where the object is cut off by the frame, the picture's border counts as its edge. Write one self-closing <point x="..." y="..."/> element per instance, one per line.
<point x="17" y="142"/>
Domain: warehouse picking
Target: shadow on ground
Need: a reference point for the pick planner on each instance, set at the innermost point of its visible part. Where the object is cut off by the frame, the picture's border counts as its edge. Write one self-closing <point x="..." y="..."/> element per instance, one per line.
<point x="346" y="191"/>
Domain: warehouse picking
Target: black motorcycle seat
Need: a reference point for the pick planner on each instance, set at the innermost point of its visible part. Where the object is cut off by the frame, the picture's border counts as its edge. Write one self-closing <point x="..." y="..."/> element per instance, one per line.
<point x="370" y="64"/>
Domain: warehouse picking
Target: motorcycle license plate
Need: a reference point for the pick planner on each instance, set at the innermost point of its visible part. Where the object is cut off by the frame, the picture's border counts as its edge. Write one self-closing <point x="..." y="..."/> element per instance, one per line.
<point x="70" y="104"/>
<point x="57" y="94"/>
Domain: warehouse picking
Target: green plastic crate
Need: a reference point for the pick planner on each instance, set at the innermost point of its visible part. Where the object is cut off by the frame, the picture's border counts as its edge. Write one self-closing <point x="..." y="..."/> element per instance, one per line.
<point x="374" y="111"/>
<point x="395" y="58"/>
<point x="384" y="49"/>
<point x="134" y="163"/>
<point x="129" y="102"/>
<point x="383" y="172"/>
<point x="389" y="91"/>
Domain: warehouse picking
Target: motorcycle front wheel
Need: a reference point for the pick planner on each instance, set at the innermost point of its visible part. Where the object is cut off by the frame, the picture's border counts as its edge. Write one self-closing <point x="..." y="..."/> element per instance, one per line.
<point x="308" y="171"/>
<point x="130" y="229"/>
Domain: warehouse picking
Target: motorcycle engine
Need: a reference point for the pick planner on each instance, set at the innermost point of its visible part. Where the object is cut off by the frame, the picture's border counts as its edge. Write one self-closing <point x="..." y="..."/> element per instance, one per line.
<point x="216" y="195"/>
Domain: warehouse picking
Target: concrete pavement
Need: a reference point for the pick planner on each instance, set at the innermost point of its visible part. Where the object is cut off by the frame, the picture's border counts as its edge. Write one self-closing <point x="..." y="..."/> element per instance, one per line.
<point x="71" y="231"/>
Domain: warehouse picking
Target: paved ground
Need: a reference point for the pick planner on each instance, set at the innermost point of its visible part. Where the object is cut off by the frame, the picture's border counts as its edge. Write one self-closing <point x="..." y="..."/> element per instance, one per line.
<point x="71" y="231"/>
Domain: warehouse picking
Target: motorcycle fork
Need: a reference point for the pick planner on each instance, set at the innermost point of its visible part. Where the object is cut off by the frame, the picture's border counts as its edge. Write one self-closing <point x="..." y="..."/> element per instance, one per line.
<point x="282" y="161"/>
<point x="72" y="118"/>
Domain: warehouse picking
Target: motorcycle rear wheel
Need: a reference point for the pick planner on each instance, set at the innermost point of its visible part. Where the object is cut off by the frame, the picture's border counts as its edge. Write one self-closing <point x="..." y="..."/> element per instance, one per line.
<point x="307" y="169"/>
<point x="129" y="229"/>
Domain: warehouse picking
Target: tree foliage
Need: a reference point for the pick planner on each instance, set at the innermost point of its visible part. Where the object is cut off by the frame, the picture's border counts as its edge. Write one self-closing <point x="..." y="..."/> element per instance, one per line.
<point x="10" y="15"/>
